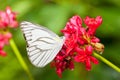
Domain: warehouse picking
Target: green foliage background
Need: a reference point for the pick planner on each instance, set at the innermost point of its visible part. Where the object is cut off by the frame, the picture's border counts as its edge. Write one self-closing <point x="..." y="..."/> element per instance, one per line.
<point x="54" y="14"/>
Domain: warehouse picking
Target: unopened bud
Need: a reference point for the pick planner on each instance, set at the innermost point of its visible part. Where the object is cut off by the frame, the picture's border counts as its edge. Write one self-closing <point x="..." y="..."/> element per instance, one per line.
<point x="99" y="47"/>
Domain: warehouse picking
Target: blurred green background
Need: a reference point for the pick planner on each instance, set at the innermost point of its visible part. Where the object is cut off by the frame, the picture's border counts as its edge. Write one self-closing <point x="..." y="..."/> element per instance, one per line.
<point x="54" y="14"/>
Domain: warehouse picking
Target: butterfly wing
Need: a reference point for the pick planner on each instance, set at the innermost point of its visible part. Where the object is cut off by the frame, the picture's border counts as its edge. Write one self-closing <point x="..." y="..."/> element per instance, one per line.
<point x="42" y="44"/>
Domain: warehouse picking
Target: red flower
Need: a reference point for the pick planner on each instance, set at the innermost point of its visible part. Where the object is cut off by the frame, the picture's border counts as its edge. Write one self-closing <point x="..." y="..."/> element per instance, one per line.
<point x="92" y="24"/>
<point x="79" y="44"/>
<point x="85" y="56"/>
<point x="8" y="18"/>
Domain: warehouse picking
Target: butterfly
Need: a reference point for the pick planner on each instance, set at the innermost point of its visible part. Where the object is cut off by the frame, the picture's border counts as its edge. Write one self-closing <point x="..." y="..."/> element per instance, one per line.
<point x="42" y="44"/>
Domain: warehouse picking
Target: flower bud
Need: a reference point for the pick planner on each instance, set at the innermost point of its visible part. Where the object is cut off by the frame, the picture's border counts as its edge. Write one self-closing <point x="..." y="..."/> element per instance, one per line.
<point x="99" y="47"/>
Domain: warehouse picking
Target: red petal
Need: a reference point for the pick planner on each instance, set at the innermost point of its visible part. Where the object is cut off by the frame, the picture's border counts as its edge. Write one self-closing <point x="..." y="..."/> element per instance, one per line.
<point x="59" y="72"/>
<point x="3" y="53"/>
<point x="94" y="60"/>
<point x="71" y="65"/>
<point x="8" y="35"/>
<point x="1" y="45"/>
<point x="89" y="50"/>
<point x="79" y="50"/>
<point x="76" y="58"/>
<point x="88" y="64"/>
<point x="95" y="40"/>
<point x="98" y="20"/>
<point x="13" y="24"/>
<point x="79" y="58"/>
<point x="76" y="20"/>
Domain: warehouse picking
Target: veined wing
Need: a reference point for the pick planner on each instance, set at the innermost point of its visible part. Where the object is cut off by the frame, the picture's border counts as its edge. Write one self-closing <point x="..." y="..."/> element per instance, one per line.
<point x="42" y="44"/>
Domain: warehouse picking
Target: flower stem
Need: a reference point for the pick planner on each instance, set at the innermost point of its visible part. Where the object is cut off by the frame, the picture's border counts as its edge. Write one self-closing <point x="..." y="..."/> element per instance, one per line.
<point x="20" y="59"/>
<point x="107" y="62"/>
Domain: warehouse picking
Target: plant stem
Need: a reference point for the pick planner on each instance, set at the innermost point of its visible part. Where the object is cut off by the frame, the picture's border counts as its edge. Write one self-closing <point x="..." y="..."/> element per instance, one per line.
<point x="20" y="59"/>
<point x="107" y="62"/>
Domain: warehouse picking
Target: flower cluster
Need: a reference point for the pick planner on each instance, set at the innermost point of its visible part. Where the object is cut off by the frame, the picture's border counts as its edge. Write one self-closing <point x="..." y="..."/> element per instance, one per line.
<point x="7" y="20"/>
<point x="80" y="42"/>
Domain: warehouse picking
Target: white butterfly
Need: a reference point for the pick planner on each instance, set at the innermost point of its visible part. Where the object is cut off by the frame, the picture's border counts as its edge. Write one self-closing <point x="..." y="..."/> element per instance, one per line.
<point x="42" y="44"/>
